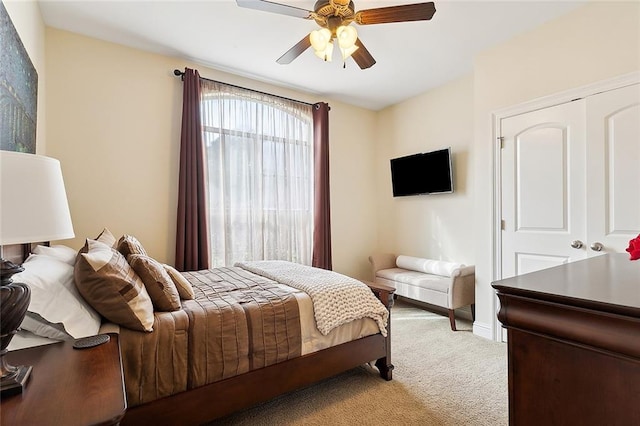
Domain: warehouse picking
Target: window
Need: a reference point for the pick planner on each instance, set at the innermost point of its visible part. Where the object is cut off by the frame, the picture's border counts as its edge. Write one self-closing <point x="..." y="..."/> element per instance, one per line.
<point x="259" y="160"/>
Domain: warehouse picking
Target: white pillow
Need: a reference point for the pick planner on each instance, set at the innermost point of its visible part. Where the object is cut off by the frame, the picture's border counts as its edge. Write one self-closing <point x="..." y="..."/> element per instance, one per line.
<point x="26" y="339"/>
<point x="55" y="298"/>
<point x="63" y="253"/>
<point x="436" y="267"/>
<point x="41" y="327"/>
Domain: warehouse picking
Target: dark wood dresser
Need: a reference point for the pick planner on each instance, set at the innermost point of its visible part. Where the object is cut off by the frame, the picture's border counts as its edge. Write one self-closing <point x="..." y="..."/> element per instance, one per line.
<point x="573" y="336"/>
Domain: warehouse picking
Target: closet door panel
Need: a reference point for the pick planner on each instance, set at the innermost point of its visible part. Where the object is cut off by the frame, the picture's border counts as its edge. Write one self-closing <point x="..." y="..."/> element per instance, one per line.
<point x="613" y="164"/>
<point x="543" y="188"/>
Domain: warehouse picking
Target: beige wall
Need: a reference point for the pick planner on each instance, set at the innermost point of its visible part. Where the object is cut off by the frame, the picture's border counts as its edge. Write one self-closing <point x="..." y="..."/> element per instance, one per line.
<point x="596" y="42"/>
<point x="437" y="226"/>
<point x="27" y="20"/>
<point x="114" y="123"/>
<point x="354" y="220"/>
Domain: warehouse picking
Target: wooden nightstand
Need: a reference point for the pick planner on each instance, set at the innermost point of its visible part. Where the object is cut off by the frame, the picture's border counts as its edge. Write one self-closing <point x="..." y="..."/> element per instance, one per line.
<point x="68" y="386"/>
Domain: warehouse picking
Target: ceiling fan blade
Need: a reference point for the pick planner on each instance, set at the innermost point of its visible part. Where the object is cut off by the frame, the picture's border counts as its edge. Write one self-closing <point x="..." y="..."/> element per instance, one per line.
<point x="362" y="56"/>
<point x="402" y="13"/>
<point x="295" y="51"/>
<point x="268" y="6"/>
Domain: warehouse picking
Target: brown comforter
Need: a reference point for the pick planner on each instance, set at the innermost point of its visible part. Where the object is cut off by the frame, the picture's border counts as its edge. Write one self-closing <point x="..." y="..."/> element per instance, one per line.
<point x="237" y="322"/>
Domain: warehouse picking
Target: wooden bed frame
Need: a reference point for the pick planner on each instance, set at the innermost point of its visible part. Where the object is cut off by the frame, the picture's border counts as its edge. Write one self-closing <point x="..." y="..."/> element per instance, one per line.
<point x="17" y="253"/>
<point x="210" y="402"/>
<point x="213" y="401"/>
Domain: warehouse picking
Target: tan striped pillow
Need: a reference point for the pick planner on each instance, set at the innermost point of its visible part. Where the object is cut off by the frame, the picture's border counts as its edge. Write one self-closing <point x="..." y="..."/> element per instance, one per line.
<point x="107" y="282"/>
<point x="107" y="237"/>
<point x="182" y="284"/>
<point x="157" y="281"/>
<point x="128" y="244"/>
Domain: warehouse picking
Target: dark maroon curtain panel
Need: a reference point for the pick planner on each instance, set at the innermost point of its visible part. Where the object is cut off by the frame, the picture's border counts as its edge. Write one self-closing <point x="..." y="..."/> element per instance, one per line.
<point x="322" y="214"/>
<point x="192" y="247"/>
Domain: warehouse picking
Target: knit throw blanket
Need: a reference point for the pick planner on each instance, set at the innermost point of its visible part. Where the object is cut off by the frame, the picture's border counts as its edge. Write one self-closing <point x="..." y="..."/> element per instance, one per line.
<point x="337" y="299"/>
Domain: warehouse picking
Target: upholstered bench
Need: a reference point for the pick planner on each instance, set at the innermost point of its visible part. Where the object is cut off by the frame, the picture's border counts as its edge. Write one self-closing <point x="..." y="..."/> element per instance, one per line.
<point x="445" y="284"/>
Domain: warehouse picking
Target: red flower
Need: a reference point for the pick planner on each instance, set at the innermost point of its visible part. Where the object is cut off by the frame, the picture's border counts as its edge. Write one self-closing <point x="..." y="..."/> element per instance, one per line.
<point x="634" y="248"/>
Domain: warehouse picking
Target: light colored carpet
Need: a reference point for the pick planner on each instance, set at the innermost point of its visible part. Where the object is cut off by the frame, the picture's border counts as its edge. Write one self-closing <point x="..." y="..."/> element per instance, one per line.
<point x="440" y="378"/>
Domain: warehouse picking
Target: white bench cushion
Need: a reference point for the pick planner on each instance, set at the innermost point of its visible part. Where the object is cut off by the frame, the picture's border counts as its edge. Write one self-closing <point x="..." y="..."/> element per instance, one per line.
<point x="428" y="266"/>
<point x="417" y="279"/>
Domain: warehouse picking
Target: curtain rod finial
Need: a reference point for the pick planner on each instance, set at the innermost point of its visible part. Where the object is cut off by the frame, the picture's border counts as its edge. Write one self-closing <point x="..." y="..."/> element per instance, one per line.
<point x="178" y="73"/>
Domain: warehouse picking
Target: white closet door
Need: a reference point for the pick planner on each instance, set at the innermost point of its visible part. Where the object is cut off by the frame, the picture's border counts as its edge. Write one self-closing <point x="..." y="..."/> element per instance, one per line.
<point x="613" y="169"/>
<point x="543" y="188"/>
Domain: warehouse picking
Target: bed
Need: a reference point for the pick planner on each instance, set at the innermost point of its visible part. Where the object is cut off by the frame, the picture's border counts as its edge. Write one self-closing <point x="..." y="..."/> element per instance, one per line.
<point x="248" y="333"/>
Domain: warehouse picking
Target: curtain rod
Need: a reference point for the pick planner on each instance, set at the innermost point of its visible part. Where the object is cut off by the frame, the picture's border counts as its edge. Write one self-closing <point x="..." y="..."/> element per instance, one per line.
<point x="180" y="74"/>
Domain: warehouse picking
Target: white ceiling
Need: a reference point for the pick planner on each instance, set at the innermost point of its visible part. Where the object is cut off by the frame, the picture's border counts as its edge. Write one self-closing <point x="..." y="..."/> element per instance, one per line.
<point x="412" y="57"/>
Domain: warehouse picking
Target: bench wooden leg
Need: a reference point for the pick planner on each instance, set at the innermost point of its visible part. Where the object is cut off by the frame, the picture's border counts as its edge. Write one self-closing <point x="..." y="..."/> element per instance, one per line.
<point x="452" y="319"/>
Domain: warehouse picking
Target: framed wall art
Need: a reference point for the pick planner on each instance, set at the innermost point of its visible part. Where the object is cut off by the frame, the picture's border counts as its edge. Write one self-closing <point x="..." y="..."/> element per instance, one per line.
<point x="18" y="90"/>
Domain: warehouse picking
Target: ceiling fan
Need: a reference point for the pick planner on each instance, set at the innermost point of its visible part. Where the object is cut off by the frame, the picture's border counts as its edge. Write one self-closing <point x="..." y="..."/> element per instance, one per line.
<point x="334" y="17"/>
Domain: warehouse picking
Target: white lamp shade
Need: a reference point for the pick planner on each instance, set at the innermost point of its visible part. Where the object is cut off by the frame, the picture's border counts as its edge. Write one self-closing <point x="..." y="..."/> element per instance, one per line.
<point x="348" y="51"/>
<point x="320" y="39"/>
<point x="33" y="201"/>
<point x="325" y="54"/>
<point x="347" y="36"/>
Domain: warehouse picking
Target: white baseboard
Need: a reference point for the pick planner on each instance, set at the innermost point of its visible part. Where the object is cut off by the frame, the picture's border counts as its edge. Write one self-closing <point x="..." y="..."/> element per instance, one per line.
<point x="483" y="330"/>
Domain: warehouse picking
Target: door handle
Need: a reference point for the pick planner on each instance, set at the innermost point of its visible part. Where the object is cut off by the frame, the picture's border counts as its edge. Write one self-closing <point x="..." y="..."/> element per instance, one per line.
<point x="577" y="244"/>
<point x="597" y="246"/>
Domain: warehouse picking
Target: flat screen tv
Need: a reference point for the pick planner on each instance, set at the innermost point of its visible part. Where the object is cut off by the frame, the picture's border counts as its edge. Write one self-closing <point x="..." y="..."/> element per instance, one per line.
<point x="426" y="173"/>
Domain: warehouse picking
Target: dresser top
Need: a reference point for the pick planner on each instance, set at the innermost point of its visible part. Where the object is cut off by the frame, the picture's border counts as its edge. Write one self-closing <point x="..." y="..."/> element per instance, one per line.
<point x="609" y="282"/>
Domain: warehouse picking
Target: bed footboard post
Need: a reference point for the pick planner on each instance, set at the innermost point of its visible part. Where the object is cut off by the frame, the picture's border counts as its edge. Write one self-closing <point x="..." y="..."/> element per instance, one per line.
<point x="385" y="294"/>
<point x="385" y="368"/>
<point x="384" y="364"/>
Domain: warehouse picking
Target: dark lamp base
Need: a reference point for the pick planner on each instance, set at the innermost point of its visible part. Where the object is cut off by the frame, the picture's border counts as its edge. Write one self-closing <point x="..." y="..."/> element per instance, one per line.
<point x="14" y="301"/>
<point x="14" y="383"/>
<point x="7" y="270"/>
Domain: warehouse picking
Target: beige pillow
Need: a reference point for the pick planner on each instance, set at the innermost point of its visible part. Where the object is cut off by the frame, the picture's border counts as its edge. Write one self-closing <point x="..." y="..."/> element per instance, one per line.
<point x="105" y="279"/>
<point x="157" y="281"/>
<point x="182" y="284"/>
<point x="107" y="237"/>
<point x="128" y="244"/>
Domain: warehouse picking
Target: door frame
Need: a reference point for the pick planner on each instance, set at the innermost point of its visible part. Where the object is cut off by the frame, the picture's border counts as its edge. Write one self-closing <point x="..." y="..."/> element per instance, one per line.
<point x="522" y="108"/>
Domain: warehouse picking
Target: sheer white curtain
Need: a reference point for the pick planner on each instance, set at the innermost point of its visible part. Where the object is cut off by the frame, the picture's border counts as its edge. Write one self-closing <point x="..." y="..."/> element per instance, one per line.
<point x="259" y="157"/>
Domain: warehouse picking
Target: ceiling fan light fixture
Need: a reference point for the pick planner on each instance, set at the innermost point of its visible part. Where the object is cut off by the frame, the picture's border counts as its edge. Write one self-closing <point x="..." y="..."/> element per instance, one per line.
<point x="347" y="36"/>
<point x="346" y="52"/>
<point x="335" y="17"/>
<point x="320" y="39"/>
<point x="326" y="53"/>
<point x="322" y="43"/>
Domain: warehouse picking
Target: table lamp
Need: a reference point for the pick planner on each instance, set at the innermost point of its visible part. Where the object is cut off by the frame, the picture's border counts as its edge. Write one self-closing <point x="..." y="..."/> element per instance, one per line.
<point x="33" y="208"/>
